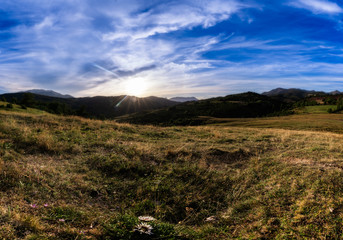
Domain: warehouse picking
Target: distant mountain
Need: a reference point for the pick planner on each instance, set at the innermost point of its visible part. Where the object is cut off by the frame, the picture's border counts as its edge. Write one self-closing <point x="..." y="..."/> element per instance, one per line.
<point x="183" y="99"/>
<point x="49" y="93"/>
<point x="336" y="92"/>
<point x="192" y="113"/>
<point x="292" y="94"/>
<point x="98" y="107"/>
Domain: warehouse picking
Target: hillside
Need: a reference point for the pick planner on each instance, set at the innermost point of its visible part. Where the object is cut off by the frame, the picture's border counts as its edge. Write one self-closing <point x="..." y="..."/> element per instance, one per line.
<point x="93" y="107"/>
<point x="243" y="105"/>
<point x="49" y="93"/>
<point x="294" y="94"/>
<point x="183" y="99"/>
<point x="73" y="178"/>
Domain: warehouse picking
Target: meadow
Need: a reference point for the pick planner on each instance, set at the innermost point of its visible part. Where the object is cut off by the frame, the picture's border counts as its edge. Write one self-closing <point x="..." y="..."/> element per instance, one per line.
<point x="256" y="178"/>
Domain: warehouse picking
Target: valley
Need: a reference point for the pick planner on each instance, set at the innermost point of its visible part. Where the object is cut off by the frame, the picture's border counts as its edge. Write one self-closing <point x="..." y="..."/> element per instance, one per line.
<point x="67" y="177"/>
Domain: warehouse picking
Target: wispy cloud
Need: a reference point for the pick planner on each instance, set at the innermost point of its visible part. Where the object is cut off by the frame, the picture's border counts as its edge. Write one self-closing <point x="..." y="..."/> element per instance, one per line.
<point x="198" y="47"/>
<point x="57" y="39"/>
<point x="318" y="6"/>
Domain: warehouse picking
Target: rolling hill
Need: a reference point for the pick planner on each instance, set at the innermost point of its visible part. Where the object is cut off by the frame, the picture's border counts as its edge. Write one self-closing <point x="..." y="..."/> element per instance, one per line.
<point x="183" y="99"/>
<point x="244" y="105"/>
<point x="49" y="93"/>
<point x="293" y="94"/>
<point x="68" y="177"/>
<point x="95" y="107"/>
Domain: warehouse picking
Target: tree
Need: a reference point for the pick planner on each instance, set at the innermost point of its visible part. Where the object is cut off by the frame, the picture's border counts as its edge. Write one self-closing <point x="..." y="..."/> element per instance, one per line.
<point x="339" y="104"/>
<point x="82" y="111"/>
<point x="9" y="105"/>
<point x="28" y="99"/>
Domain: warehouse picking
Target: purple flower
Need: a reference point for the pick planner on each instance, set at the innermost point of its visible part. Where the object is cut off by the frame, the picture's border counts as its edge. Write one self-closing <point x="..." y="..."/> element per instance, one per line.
<point x="61" y="220"/>
<point x="33" y="205"/>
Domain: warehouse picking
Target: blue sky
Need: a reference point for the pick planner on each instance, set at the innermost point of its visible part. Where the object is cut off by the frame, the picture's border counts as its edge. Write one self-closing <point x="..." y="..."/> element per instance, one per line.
<point x="170" y="48"/>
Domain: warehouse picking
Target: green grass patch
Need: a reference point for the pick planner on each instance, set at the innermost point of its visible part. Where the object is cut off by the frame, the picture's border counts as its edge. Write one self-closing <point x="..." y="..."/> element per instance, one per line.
<point x="318" y="109"/>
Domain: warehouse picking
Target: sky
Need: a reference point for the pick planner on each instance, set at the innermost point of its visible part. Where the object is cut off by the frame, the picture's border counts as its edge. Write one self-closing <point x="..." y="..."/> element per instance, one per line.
<point x="168" y="48"/>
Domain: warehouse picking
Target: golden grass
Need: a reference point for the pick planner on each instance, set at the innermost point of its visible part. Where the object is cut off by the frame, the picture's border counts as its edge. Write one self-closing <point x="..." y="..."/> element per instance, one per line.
<point x="275" y="177"/>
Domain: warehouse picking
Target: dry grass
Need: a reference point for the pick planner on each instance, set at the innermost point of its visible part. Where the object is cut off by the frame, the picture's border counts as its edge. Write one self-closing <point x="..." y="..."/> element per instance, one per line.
<point x="277" y="178"/>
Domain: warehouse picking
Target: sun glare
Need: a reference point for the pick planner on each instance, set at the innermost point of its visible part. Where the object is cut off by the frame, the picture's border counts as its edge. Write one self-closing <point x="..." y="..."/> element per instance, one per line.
<point x="136" y="87"/>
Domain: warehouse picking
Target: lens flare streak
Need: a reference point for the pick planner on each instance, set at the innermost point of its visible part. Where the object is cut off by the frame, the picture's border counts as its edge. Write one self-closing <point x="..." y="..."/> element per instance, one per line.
<point x="118" y="104"/>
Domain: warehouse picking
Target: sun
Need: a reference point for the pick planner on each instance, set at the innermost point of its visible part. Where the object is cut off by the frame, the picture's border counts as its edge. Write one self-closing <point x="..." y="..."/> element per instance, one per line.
<point x="136" y="87"/>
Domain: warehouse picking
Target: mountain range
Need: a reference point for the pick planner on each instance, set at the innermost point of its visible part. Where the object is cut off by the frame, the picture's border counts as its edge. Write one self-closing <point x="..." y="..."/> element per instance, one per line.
<point x="98" y="107"/>
<point x="243" y="105"/>
<point x="183" y="99"/>
<point x="49" y="93"/>
<point x="296" y="94"/>
<point x="156" y="110"/>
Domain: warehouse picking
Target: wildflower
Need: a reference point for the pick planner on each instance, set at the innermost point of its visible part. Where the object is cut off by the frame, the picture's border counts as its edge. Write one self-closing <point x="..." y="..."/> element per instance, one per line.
<point x="146" y="218"/>
<point x="46" y="205"/>
<point x="61" y="220"/>
<point x="143" y="228"/>
<point x="211" y="219"/>
<point x="33" y="205"/>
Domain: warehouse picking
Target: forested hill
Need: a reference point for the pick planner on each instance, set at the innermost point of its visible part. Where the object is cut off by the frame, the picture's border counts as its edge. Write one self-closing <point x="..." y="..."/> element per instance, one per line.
<point x="95" y="107"/>
<point x="244" y="105"/>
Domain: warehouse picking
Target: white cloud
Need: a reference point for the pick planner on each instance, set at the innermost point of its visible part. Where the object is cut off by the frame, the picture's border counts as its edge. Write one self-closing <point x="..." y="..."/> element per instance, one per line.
<point x="62" y="38"/>
<point x="173" y="16"/>
<point x="58" y="45"/>
<point x="318" y="6"/>
<point x="46" y="23"/>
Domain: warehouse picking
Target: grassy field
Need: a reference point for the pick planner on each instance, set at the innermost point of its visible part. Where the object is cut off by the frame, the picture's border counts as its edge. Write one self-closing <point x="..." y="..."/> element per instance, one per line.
<point x="74" y="178"/>
<point x="317" y="109"/>
<point x="323" y="122"/>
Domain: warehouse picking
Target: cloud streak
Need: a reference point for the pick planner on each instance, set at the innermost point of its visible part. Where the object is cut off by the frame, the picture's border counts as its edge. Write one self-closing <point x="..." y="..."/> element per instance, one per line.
<point x="319" y="6"/>
<point x="189" y="47"/>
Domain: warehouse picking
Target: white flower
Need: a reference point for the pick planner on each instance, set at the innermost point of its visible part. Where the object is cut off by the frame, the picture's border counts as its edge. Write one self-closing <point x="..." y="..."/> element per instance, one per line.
<point x="211" y="219"/>
<point x="143" y="228"/>
<point x="146" y="218"/>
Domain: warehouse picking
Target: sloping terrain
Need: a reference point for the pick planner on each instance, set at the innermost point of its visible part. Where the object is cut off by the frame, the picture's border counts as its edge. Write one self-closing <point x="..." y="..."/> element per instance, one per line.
<point x="294" y="94"/>
<point x="242" y="105"/>
<point x="183" y="99"/>
<point x="75" y="178"/>
<point x="93" y="107"/>
<point x="49" y="93"/>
